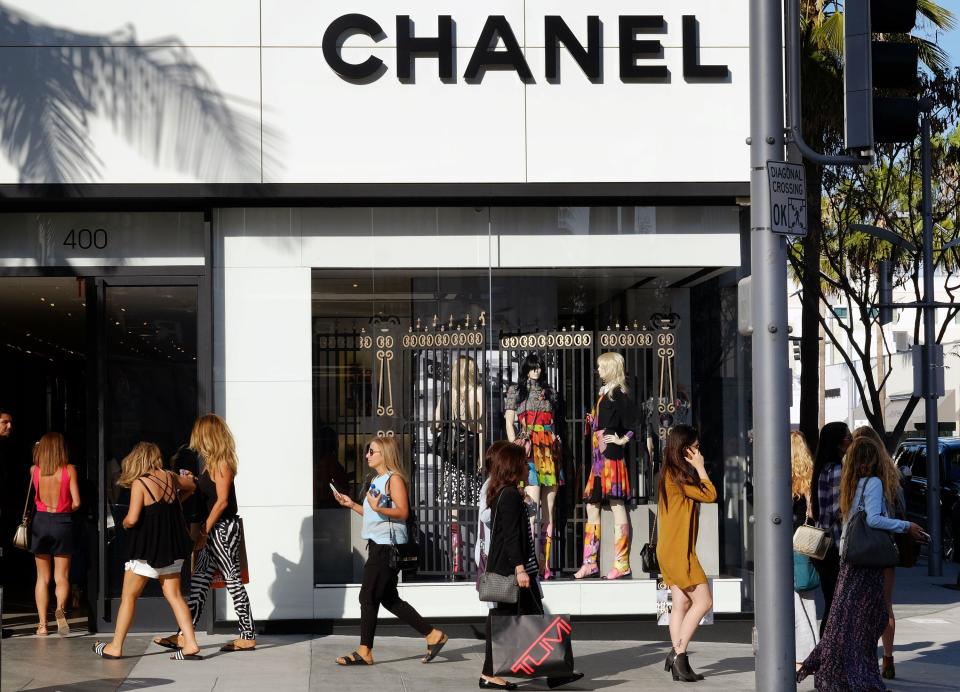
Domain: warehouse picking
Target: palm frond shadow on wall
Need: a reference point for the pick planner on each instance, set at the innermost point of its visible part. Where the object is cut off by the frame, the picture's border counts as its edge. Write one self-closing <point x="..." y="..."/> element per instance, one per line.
<point x="156" y="96"/>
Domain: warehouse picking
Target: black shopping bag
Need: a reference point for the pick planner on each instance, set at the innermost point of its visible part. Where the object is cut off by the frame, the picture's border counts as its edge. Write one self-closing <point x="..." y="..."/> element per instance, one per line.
<point x="532" y="646"/>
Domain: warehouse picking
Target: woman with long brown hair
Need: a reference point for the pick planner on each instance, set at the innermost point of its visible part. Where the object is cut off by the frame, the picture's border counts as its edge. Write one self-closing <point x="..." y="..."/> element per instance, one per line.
<point x="888" y="670"/>
<point x="385" y="509"/>
<point x="845" y="658"/>
<point x="683" y="485"/>
<point x="509" y="545"/>
<point x="219" y="543"/>
<point x="57" y="497"/>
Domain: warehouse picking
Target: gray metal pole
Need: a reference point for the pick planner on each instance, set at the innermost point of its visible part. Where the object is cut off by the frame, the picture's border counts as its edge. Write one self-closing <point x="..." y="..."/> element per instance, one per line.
<point x="935" y="562"/>
<point x="773" y="609"/>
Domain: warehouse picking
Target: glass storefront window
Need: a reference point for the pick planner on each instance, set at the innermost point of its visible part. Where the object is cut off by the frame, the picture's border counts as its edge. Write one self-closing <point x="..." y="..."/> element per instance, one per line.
<point x="430" y="353"/>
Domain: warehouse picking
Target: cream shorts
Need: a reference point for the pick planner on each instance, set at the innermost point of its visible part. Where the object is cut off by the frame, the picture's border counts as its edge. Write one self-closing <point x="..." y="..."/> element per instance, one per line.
<point x="144" y="570"/>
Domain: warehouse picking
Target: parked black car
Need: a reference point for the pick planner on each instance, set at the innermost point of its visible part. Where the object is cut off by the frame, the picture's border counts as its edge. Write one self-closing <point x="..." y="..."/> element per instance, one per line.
<point x="911" y="459"/>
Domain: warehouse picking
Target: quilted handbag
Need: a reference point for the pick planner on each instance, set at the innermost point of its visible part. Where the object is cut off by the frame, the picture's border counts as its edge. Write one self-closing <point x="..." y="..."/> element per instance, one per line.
<point x="495" y="587"/>
<point x="812" y="541"/>
<point x="21" y="537"/>
<point x="498" y="588"/>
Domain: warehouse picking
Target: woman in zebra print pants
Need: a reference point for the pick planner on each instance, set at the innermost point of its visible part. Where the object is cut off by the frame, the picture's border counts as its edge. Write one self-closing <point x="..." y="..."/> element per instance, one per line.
<point x="219" y="541"/>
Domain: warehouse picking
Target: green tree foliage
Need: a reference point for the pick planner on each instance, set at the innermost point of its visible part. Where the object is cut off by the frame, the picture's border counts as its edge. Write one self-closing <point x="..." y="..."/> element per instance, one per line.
<point x="887" y="195"/>
<point x="821" y="39"/>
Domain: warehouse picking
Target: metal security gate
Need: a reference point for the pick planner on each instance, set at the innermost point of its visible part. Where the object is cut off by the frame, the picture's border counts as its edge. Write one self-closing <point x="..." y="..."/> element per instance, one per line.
<point x="441" y="389"/>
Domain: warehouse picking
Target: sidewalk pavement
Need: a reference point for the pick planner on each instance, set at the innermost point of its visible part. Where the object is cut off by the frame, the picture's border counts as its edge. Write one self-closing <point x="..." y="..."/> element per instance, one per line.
<point x="927" y="656"/>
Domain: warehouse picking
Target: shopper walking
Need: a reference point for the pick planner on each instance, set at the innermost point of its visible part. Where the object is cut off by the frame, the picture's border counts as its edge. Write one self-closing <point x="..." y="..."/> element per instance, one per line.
<point x="806" y="631"/>
<point x="218" y="546"/>
<point x="57" y="497"/>
<point x="512" y="551"/>
<point x="683" y="485"/>
<point x="845" y="659"/>
<point x="157" y="544"/>
<point x="888" y="670"/>
<point x="385" y="509"/>
<point x="834" y="440"/>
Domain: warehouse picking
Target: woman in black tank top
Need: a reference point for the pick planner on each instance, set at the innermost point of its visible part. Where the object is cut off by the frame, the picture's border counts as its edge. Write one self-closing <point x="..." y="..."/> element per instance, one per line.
<point x="158" y="543"/>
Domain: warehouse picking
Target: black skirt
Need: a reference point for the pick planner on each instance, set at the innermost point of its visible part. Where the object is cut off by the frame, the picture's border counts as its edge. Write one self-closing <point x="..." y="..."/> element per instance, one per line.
<point x="52" y="533"/>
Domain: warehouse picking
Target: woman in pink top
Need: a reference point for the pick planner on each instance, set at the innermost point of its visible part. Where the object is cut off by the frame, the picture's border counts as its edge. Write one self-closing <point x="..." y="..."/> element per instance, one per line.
<point x="57" y="496"/>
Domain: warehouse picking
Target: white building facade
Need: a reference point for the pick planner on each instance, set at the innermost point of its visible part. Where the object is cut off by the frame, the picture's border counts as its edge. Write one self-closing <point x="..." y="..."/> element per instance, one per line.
<point x="319" y="212"/>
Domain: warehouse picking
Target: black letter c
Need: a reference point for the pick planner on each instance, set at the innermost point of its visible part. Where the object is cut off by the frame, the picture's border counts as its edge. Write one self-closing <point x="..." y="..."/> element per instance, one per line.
<point x="369" y="69"/>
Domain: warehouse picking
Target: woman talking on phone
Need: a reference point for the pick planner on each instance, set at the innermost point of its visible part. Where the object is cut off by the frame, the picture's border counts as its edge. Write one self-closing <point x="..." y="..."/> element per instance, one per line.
<point x="684" y="484"/>
<point x="384" y="510"/>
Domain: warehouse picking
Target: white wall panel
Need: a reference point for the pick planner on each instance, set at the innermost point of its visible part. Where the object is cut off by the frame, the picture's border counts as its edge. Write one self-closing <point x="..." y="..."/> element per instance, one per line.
<point x="316" y="127"/>
<point x="258" y="237"/>
<point x="280" y="559"/>
<point x="639" y="131"/>
<point x="588" y="597"/>
<point x="157" y="131"/>
<point x="387" y="131"/>
<point x="314" y="17"/>
<point x="721" y="23"/>
<point x="272" y="423"/>
<point x="138" y="22"/>
<point x="267" y="326"/>
<point x="661" y="250"/>
<point x="412" y="252"/>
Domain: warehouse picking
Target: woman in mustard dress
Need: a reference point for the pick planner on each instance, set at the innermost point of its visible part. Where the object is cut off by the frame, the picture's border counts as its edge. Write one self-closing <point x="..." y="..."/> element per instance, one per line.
<point x="683" y="486"/>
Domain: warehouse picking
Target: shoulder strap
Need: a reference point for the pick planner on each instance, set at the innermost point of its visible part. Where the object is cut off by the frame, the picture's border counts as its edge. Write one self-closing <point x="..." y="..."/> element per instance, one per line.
<point x="147" y="487"/>
<point x="26" y="503"/>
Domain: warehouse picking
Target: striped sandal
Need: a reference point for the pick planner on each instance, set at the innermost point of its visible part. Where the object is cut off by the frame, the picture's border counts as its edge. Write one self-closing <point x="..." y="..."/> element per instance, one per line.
<point x="180" y="656"/>
<point x="98" y="649"/>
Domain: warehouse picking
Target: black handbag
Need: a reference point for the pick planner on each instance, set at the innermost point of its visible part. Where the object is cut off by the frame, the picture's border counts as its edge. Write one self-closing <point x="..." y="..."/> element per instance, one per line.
<point x="648" y="553"/>
<point x="405" y="557"/>
<point x="865" y="546"/>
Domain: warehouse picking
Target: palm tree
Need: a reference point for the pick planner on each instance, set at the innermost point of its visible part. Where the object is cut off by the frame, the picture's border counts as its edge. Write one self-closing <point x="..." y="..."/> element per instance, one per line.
<point x="821" y="38"/>
<point x="156" y="97"/>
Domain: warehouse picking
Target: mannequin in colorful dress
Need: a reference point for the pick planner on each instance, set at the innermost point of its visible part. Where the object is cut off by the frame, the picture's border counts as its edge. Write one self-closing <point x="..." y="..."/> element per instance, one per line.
<point x="530" y="409"/>
<point x="611" y="425"/>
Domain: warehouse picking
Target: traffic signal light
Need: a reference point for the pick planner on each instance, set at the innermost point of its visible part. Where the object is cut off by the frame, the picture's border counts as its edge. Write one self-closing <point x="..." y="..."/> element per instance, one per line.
<point x="885" y="297"/>
<point x="869" y="65"/>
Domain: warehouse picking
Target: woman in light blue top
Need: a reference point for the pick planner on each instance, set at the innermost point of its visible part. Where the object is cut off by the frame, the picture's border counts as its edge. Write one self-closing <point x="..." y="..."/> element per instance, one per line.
<point x="385" y="509"/>
<point x="846" y="657"/>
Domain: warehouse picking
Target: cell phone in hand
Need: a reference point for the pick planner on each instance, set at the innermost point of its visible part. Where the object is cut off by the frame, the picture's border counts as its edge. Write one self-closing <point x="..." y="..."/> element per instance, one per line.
<point x="924" y="536"/>
<point x="336" y="493"/>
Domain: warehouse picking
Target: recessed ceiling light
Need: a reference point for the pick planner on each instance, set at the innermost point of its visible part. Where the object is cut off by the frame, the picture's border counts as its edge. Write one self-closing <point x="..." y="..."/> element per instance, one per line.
<point x="356" y="285"/>
<point x="53" y="305"/>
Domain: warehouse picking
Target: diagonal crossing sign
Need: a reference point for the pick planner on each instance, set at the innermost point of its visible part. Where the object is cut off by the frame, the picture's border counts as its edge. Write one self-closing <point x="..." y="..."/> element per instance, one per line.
<point x="788" y="198"/>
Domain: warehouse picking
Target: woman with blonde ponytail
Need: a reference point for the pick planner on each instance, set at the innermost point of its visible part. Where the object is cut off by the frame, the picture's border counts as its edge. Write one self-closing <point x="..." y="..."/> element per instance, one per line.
<point x="218" y="546"/>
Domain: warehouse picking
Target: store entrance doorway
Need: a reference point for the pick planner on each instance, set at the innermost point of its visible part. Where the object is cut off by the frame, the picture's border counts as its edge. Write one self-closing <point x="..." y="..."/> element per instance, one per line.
<point x="108" y="362"/>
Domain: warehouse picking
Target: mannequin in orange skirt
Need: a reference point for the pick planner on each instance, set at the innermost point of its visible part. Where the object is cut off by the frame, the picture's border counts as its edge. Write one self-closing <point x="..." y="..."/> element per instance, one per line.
<point x="611" y="429"/>
<point x="530" y="407"/>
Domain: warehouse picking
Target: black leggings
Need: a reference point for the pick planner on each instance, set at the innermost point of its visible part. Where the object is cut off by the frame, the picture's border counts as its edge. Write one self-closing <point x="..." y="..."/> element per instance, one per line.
<point x="380" y="588"/>
<point x="529" y="603"/>
<point x="829" y="569"/>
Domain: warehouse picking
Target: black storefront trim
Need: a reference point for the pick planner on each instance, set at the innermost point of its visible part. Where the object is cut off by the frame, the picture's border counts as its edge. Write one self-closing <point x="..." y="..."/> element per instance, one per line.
<point x="183" y="196"/>
<point x="727" y="627"/>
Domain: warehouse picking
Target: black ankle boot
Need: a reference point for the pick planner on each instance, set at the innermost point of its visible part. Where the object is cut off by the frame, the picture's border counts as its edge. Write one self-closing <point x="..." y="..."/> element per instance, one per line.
<point x="668" y="664"/>
<point x="681" y="669"/>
